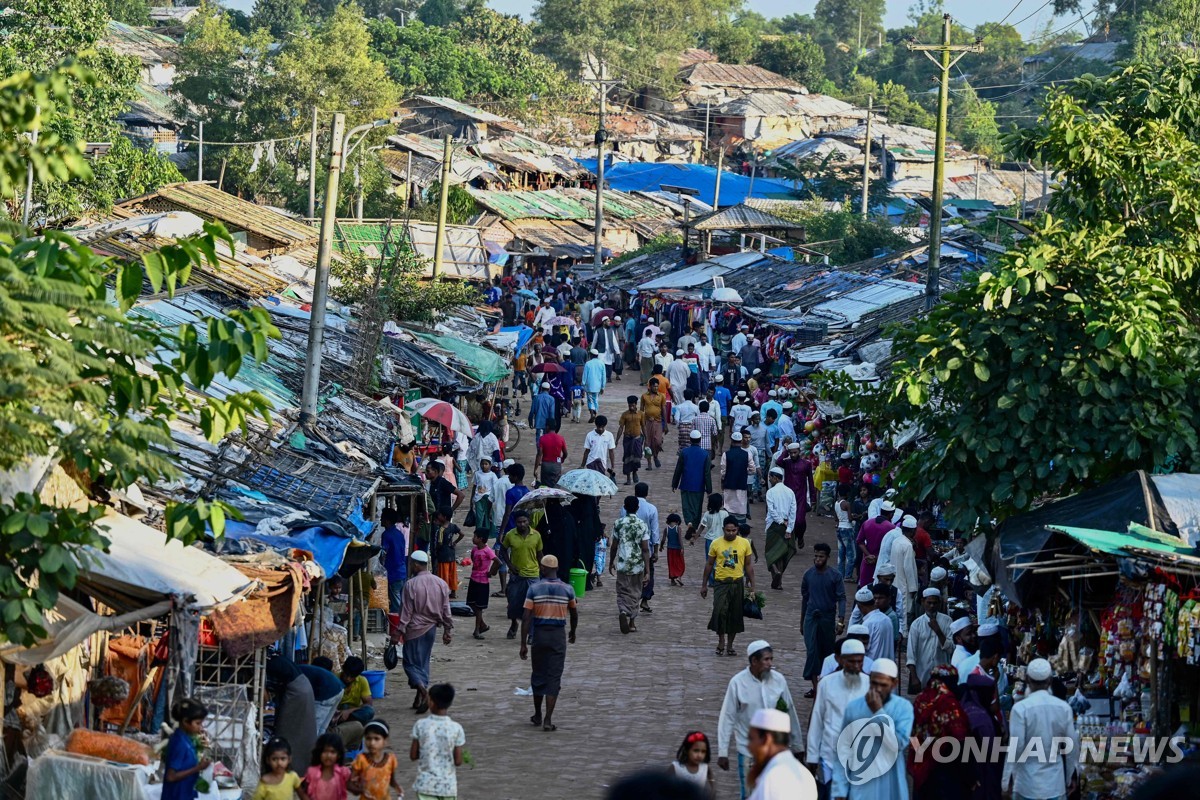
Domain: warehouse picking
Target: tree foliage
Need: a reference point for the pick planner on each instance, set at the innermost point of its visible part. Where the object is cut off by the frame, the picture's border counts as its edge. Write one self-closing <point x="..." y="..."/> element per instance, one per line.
<point x="793" y="56"/>
<point x="84" y="384"/>
<point x="1075" y="359"/>
<point x="397" y="283"/>
<point x="280" y="18"/>
<point x="844" y="235"/>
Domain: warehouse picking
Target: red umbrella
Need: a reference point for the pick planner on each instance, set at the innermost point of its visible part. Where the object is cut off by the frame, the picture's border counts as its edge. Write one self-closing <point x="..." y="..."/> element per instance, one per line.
<point x="548" y="367"/>
<point x="600" y="315"/>
<point x="442" y="413"/>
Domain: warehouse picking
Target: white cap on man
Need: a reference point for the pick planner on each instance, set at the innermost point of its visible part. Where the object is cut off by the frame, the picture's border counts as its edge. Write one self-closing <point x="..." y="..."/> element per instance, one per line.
<point x="989" y="629"/>
<point x="864" y="595"/>
<point x="961" y="624"/>
<point x="885" y="569"/>
<point x="885" y="667"/>
<point x="420" y="556"/>
<point x="595" y="352"/>
<point x="719" y="379"/>
<point x="778" y="471"/>
<point x="508" y="462"/>
<point x="937" y="574"/>
<point x="545" y="384"/>
<point x="888" y="506"/>
<point x="890" y="493"/>
<point x="794" y="446"/>
<point x="757" y="645"/>
<point x="696" y="436"/>
<point x="771" y="719"/>
<point x="1039" y="670"/>
<point x="858" y="629"/>
<point x="853" y="647"/>
<point x="909" y="521"/>
<point x="735" y="437"/>
<point x="932" y="592"/>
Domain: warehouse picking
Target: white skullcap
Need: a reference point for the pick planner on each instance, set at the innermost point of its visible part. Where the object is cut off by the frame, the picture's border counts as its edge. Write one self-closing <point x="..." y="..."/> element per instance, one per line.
<point x="794" y="446"/>
<point x="771" y="719"/>
<point x="420" y="556"/>
<point x="772" y="393"/>
<point x="695" y="434"/>
<point x="909" y="521"/>
<point x="890" y="493"/>
<point x="931" y="592"/>
<point x="545" y="384"/>
<point x="1039" y="670"/>
<point x="853" y="647"/>
<point x="888" y="505"/>
<point x="757" y="372"/>
<point x="777" y="471"/>
<point x="595" y="352"/>
<point x="989" y="629"/>
<point x="858" y="630"/>
<point x="864" y="595"/>
<point x="788" y="405"/>
<point x="756" y="645"/>
<point x="508" y="462"/>
<point x="960" y="624"/>
<point x="742" y="394"/>
<point x="937" y="574"/>
<point x="616" y="319"/>
<point x="847" y="455"/>
<point x="678" y="352"/>
<point x="885" y="666"/>
<point x="745" y="327"/>
<point x="719" y="379"/>
<point x="886" y="569"/>
<point x="735" y="437"/>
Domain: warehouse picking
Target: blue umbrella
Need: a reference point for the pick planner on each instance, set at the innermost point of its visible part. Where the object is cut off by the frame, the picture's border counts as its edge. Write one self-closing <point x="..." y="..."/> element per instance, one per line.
<point x="587" y="482"/>
<point x="528" y="295"/>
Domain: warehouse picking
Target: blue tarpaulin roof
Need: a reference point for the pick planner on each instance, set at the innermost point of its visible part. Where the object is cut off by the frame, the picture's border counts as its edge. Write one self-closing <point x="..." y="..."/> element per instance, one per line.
<point x="630" y="176"/>
<point x="524" y="334"/>
<point x="328" y="549"/>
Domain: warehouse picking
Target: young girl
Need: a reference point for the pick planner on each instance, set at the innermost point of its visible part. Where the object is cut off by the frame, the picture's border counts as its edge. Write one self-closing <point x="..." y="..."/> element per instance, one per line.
<point x="183" y="764"/>
<point x="673" y="541"/>
<point x="481" y="499"/>
<point x="277" y="781"/>
<point x="374" y="771"/>
<point x="484" y="564"/>
<point x="327" y="779"/>
<point x="691" y="763"/>
<point x="712" y="523"/>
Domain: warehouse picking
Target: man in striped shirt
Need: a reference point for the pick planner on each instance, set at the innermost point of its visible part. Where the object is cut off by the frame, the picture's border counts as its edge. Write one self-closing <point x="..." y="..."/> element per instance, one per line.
<point x="548" y="604"/>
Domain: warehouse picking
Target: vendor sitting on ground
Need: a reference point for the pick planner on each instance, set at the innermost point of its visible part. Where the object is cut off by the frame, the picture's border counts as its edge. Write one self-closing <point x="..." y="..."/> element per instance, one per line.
<point x="356" y="709"/>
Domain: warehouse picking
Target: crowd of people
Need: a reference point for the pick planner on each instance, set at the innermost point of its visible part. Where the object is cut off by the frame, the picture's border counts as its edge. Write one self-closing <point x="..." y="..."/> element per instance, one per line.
<point x="750" y="459"/>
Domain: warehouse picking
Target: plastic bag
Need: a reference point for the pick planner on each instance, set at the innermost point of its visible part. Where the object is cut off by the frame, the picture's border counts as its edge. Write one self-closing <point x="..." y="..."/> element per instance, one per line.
<point x="751" y="609"/>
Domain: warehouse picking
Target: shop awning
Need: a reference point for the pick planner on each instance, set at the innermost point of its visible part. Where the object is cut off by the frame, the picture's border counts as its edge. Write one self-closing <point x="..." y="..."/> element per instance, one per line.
<point x="480" y="363"/>
<point x="142" y="567"/>
<point x="1136" y="542"/>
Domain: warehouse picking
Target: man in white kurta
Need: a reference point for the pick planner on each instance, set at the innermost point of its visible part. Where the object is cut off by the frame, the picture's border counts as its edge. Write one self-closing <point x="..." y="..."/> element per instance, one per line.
<point x="756" y="687"/>
<point x="929" y="642"/>
<point x="905" y="560"/>
<point x="780" y="776"/>
<point x="834" y="693"/>
<point x="881" y="700"/>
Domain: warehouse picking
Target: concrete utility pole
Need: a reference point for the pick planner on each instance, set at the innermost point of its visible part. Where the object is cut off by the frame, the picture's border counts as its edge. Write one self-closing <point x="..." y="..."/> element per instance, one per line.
<point x="439" y="240"/>
<point x="717" y="187"/>
<point x="340" y="150"/>
<point x="866" y="187"/>
<point x="200" y="154"/>
<point x="312" y="168"/>
<point x="316" y="324"/>
<point x="603" y="84"/>
<point x="27" y="208"/>
<point x="944" y="60"/>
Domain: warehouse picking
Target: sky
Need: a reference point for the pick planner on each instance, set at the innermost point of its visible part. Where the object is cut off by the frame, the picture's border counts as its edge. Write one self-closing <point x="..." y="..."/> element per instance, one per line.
<point x="968" y="13"/>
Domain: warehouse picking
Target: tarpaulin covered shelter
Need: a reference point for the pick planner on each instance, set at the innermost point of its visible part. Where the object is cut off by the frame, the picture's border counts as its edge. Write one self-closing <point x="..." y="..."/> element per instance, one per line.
<point x="480" y="363"/>
<point x="1163" y="503"/>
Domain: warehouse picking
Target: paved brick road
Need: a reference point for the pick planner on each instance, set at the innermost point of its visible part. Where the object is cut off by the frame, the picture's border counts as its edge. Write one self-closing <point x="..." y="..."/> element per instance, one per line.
<point x="627" y="701"/>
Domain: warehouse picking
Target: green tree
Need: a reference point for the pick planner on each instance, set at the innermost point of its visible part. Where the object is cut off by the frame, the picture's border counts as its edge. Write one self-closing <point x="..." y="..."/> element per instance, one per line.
<point x="731" y="42"/>
<point x="131" y="12"/>
<point x="1074" y="359"/>
<point x="893" y="101"/>
<point x="397" y="284"/>
<point x="86" y="386"/>
<point x="638" y="41"/>
<point x="973" y="123"/>
<point x="796" y="57"/>
<point x="126" y="170"/>
<point x="280" y="18"/>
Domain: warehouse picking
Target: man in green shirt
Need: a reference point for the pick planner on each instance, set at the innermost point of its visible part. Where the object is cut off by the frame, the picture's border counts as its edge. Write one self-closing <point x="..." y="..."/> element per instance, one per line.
<point x="521" y="552"/>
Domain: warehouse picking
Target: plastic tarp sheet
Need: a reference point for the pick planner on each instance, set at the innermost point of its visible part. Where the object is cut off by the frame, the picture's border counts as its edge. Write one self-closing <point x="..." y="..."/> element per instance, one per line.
<point x="1181" y="495"/>
<point x="1131" y="498"/>
<point x="68" y="624"/>
<point x="56" y="775"/>
<point x="523" y="334"/>
<point x="328" y="548"/>
<point x="141" y="563"/>
<point x="481" y="364"/>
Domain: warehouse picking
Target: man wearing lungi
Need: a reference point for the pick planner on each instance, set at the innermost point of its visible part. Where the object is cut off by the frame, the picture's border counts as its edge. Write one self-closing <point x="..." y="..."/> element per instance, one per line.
<point x="729" y="562"/>
<point x="426" y="605"/>
<point x="628" y="559"/>
<point x="654" y="420"/>
<point x="822" y="612"/>
<point x="548" y="604"/>
<point x="693" y="479"/>
<point x="521" y="552"/>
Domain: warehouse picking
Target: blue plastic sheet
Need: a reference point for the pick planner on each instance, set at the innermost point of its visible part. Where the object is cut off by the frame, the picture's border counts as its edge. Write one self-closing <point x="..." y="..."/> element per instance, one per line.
<point x="328" y="549"/>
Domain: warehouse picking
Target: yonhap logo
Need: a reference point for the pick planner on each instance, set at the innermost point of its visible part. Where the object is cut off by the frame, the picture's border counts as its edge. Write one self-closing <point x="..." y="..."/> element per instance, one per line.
<point x="868" y="748"/>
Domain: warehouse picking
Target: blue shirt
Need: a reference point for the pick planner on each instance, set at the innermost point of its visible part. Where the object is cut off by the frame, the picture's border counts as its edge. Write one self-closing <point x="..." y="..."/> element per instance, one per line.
<point x="769" y="406"/>
<point x="181" y="755"/>
<point x="395" y="557"/>
<point x="511" y="498"/>
<point x="893" y="784"/>
<point x="723" y="398"/>
<point x="542" y="410"/>
<point x="773" y="436"/>
<point x="594" y="375"/>
<point x="674" y="542"/>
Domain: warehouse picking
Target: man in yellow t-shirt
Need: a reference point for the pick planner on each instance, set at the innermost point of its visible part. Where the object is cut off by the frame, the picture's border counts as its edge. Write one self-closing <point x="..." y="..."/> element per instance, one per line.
<point x="729" y="564"/>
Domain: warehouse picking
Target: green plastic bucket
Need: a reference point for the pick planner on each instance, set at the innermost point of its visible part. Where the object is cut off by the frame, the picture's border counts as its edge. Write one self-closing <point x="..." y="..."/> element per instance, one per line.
<point x="579" y="581"/>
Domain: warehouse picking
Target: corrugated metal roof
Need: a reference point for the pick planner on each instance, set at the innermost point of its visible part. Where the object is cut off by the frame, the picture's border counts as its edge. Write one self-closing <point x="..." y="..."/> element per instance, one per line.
<point x="466" y="166"/>
<point x="424" y="171"/>
<point x="639" y="127"/>
<point x="463" y="255"/>
<point x="694" y="55"/>
<point x="468" y="111"/>
<point x="741" y="76"/>
<point x="780" y="104"/>
<point x="142" y="43"/>
<point x="210" y="202"/>
<point x="817" y="148"/>
<point x="531" y="205"/>
<point x="545" y="233"/>
<point x="743" y="218"/>
<point x="775" y="206"/>
<point x="173" y="14"/>
<point x="152" y="105"/>
<point x="853" y="306"/>
<point x="620" y="205"/>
